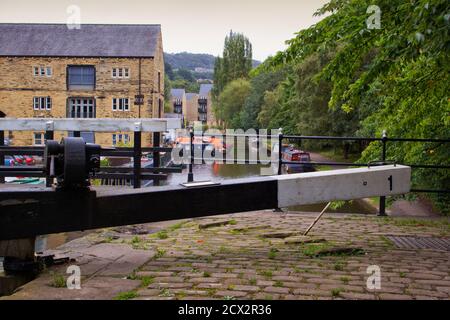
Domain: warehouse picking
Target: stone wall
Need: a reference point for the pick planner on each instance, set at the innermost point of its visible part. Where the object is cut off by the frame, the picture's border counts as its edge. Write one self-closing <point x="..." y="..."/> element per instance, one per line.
<point x="18" y="86"/>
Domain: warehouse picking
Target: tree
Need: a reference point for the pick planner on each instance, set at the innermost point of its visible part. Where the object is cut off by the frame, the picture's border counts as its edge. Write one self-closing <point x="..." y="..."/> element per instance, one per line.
<point x="236" y="62"/>
<point x="169" y="71"/>
<point x="395" y="76"/>
<point x="260" y="83"/>
<point x="231" y="101"/>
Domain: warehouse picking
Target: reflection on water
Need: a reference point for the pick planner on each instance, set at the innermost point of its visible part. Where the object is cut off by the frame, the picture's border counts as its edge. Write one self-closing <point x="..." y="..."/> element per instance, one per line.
<point x="216" y="172"/>
<point x="220" y="172"/>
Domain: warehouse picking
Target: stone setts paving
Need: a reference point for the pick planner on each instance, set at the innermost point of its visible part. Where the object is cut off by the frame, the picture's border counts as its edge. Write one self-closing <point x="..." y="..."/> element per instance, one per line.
<point x="260" y="255"/>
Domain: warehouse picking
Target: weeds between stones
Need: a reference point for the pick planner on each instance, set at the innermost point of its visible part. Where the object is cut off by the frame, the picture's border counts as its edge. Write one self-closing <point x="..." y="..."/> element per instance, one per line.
<point x="128" y="295"/>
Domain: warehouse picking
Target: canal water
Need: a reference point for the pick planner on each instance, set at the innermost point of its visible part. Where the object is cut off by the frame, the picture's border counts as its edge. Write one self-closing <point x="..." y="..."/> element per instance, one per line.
<point x="220" y="172"/>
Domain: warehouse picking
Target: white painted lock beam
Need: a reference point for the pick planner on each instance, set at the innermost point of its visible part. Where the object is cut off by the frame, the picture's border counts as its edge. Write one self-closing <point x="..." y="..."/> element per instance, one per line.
<point x="95" y="124"/>
<point x="344" y="184"/>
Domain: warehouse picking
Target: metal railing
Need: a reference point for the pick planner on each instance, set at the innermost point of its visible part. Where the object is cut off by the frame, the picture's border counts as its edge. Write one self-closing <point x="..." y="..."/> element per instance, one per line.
<point x="384" y="140"/>
<point x="49" y="125"/>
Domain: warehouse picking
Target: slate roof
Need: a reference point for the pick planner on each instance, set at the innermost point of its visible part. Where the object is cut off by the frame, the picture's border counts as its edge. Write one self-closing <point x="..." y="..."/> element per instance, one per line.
<point x="177" y="93"/>
<point x="205" y="89"/>
<point x="92" y="40"/>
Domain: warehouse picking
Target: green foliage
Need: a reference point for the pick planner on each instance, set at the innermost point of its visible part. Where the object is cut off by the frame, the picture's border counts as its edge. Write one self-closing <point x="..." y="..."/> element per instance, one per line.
<point x="231" y="102"/>
<point x="235" y="63"/>
<point x="58" y="281"/>
<point x="127" y="295"/>
<point x="394" y="78"/>
<point x="260" y="83"/>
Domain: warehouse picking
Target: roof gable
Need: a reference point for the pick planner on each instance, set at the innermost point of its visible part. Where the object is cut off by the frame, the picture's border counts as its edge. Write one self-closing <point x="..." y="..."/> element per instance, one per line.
<point x="91" y="40"/>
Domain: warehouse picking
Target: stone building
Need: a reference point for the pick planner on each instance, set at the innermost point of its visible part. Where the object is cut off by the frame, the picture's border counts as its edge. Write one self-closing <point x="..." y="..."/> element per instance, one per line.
<point x="97" y="71"/>
<point x="178" y="101"/>
<point x="191" y="108"/>
<point x="194" y="107"/>
<point x="205" y="112"/>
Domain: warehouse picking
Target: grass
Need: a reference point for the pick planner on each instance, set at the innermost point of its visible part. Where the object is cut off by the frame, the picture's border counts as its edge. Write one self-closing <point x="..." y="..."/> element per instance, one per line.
<point x="252" y="281"/>
<point x="229" y="298"/>
<point x="345" y="280"/>
<point x="278" y="283"/>
<point x="266" y="273"/>
<point x="136" y="240"/>
<point x="176" y="226"/>
<point x="338" y="266"/>
<point x="336" y="292"/>
<point x="388" y="242"/>
<point x="146" y="281"/>
<point x="339" y="157"/>
<point x="128" y="295"/>
<point x="223" y="249"/>
<point x="162" y="234"/>
<point x="402" y="274"/>
<point x="206" y="274"/>
<point x="159" y="253"/>
<point x="324" y="167"/>
<point x="272" y="253"/>
<point x="180" y="295"/>
<point x="313" y="249"/>
<point x="58" y="281"/>
<point x="211" y="292"/>
<point x="410" y="222"/>
<point x="232" y="222"/>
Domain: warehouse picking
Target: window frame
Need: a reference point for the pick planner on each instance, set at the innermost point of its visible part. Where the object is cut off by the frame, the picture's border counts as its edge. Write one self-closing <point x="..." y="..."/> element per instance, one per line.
<point x="42" y="103"/>
<point x="120" y="104"/>
<point x="41" y="139"/>
<point x="94" y="84"/>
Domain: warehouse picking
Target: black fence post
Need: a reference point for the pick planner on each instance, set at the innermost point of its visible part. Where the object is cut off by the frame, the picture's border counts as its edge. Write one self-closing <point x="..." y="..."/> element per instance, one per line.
<point x="156" y="154"/>
<point x="384" y="138"/>
<point x="280" y="150"/>
<point x="137" y="154"/>
<point x="2" y="156"/>
<point x="191" y="143"/>
<point x="77" y="134"/>
<point x="49" y="135"/>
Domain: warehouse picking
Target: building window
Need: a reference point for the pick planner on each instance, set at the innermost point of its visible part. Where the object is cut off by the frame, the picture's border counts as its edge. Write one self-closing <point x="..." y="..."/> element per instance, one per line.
<point x="42" y="71"/>
<point x="119" y="138"/>
<point x="120" y="73"/>
<point x="81" y="78"/>
<point x="81" y="108"/>
<point x="38" y="139"/>
<point x="121" y="104"/>
<point x="42" y="103"/>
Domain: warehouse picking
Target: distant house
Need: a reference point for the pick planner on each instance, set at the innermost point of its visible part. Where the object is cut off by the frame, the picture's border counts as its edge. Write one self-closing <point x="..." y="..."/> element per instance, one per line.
<point x="192" y="103"/>
<point x="178" y="101"/>
<point x="205" y="112"/>
<point x="195" y="107"/>
<point x="97" y="71"/>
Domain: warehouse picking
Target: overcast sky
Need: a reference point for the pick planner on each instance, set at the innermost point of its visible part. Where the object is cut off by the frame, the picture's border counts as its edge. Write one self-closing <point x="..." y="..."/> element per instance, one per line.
<point x="197" y="26"/>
